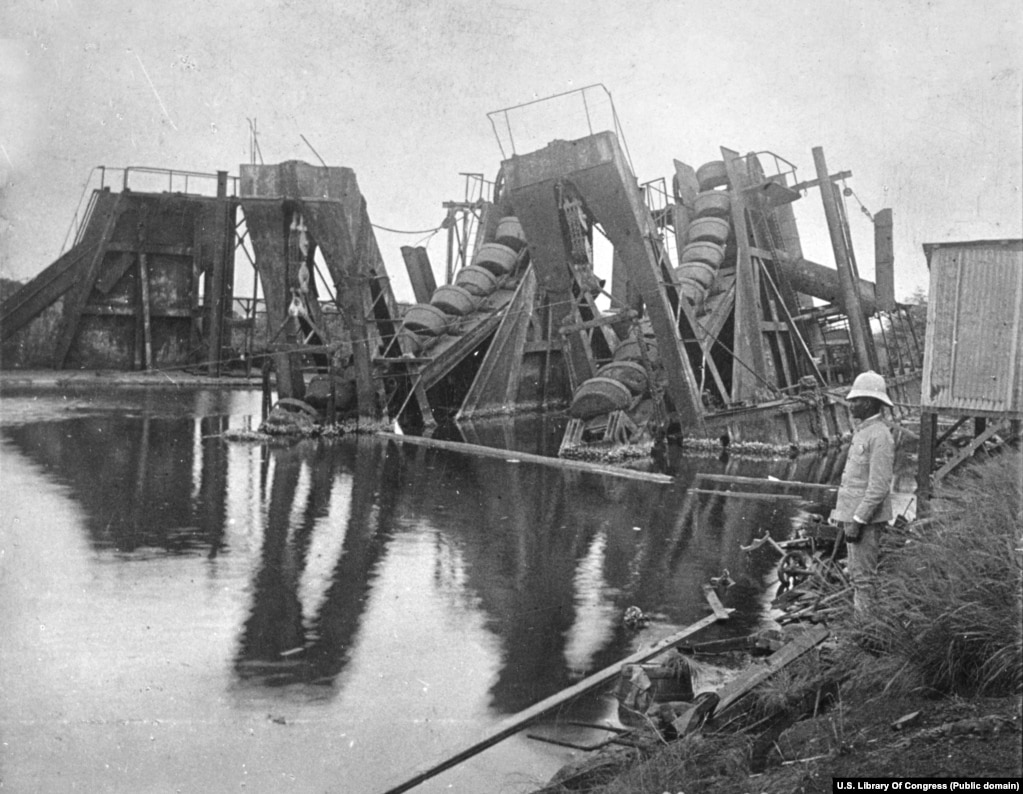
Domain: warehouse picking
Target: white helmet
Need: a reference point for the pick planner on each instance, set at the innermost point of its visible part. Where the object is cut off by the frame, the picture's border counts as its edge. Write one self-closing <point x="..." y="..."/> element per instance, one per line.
<point x="869" y="384"/>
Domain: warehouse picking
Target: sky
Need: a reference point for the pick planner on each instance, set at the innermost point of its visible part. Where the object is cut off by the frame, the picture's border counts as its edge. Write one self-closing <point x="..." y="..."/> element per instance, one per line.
<point x="921" y="99"/>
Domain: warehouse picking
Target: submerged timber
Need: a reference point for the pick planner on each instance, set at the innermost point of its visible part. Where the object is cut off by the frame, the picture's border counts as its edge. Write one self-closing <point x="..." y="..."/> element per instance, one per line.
<point x="712" y="326"/>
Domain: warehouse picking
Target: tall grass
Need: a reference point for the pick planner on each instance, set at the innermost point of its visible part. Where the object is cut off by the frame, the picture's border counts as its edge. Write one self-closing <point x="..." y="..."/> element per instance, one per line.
<point x="697" y="765"/>
<point x="947" y="614"/>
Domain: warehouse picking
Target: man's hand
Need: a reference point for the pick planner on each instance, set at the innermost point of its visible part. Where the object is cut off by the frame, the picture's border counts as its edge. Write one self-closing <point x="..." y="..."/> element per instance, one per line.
<point x="853" y="531"/>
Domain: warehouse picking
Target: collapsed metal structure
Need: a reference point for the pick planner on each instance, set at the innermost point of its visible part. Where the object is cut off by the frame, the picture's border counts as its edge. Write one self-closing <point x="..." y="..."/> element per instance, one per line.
<point x="713" y="322"/>
<point x="741" y="338"/>
<point x="128" y="290"/>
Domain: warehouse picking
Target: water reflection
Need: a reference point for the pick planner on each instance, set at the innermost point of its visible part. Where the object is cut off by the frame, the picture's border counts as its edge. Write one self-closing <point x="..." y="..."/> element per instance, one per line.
<point x="146" y="484"/>
<point x="329" y="517"/>
<point x="547" y="559"/>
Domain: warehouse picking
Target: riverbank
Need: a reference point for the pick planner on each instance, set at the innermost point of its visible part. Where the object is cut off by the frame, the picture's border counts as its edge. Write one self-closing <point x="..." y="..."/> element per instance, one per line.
<point x="11" y="379"/>
<point x="929" y="684"/>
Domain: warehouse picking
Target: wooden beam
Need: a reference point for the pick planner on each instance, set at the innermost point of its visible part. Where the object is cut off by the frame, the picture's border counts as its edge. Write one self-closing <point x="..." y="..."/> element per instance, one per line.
<point x="607" y="319"/>
<point x="420" y="272"/>
<point x="884" y="260"/>
<point x="78" y="296"/>
<point x="749" y="370"/>
<point x="114" y="310"/>
<point x="966" y="452"/>
<point x="838" y="230"/>
<point x="147" y="328"/>
<point x="497" y="380"/>
<point x="756" y="497"/>
<point x="526" y="457"/>
<point x="517" y="722"/>
<point x="730" y="478"/>
<point x="61" y="276"/>
<point x="817" y="182"/>
<point x="151" y="248"/>
<point x="715" y="603"/>
<point x="753" y="676"/>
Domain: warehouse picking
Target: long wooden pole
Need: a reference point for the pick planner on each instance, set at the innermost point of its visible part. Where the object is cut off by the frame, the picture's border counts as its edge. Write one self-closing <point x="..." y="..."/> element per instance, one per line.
<point x="147" y="329"/>
<point x="737" y="480"/>
<point x="517" y="722"/>
<point x="527" y="457"/>
<point x="858" y="328"/>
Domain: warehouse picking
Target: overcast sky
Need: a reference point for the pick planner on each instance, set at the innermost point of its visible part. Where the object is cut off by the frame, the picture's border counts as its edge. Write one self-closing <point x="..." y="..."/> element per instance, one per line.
<point x="920" y="100"/>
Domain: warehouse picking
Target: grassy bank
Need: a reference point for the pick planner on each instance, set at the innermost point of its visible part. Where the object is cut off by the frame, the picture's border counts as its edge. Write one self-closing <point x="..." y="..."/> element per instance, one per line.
<point x="947" y="614"/>
<point x="943" y="638"/>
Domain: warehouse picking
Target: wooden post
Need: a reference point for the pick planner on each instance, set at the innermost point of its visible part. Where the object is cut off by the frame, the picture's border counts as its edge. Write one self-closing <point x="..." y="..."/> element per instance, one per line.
<point x="420" y="273"/>
<point x="884" y="260"/>
<point x="850" y="294"/>
<point x="147" y="331"/>
<point x="925" y="456"/>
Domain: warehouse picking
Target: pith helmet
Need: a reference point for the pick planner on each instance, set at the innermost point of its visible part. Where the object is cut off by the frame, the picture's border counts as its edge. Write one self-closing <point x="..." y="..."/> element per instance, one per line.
<point x="869" y="384"/>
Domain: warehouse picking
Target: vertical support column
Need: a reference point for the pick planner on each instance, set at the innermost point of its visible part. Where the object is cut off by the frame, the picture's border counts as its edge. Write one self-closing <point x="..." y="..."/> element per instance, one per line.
<point x="850" y="296"/>
<point x="420" y="273"/>
<point x="884" y="261"/>
<point x="147" y="329"/>
<point x="751" y="362"/>
<point x="449" y="271"/>
<point x="925" y="457"/>
<point x="216" y="232"/>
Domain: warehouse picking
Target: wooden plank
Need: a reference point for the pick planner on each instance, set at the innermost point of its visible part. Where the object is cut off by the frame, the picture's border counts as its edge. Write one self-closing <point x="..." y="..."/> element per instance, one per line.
<point x="705" y="342"/>
<point x="965" y="452"/>
<point x="729" y="478"/>
<point x="151" y="248"/>
<point x="147" y="327"/>
<point x="78" y="297"/>
<point x="884" y="261"/>
<point x="115" y="310"/>
<point x="606" y="319"/>
<point x="497" y="380"/>
<point x="715" y="603"/>
<point x="746" y="681"/>
<point x="526" y="457"/>
<point x="817" y="182"/>
<point x="469" y="340"/>
<point x="420" y="272"/>
<point x="517" y="722"/>
<point x="749" y="369"/>
<point x="750" y="495"/>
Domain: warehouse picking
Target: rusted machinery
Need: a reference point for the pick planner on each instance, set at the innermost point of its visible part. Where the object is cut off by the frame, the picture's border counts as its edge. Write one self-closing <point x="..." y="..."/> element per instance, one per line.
<point x="743" y="339"/>
<point x="127" y="292"/>
<point x="291" y="210"/>
<point x="712" y="322"/>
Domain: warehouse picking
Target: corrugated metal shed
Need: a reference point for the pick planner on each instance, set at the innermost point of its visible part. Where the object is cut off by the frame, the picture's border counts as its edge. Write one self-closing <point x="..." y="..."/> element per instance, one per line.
<point x="973" y="360"/>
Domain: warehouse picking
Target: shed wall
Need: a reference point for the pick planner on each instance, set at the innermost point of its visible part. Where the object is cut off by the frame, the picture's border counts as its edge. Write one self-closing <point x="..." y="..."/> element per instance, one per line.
<point x="973" y="362"/>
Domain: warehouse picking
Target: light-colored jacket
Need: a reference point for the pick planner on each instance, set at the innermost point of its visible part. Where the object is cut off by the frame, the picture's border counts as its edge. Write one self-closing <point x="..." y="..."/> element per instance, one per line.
<point x="867" y="479"/>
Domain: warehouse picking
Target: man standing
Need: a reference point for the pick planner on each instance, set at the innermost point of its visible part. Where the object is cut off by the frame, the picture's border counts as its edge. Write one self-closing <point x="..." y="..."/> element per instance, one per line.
<point x="864" y="504"/>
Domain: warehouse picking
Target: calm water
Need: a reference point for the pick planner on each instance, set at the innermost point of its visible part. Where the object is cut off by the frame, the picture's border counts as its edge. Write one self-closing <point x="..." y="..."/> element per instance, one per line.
<point x="185" y="614"/>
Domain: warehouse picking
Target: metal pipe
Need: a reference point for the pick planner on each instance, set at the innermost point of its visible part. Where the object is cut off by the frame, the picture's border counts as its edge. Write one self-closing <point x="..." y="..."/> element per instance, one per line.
<point x="819" y="281"/>
<point x="850" y="294"/>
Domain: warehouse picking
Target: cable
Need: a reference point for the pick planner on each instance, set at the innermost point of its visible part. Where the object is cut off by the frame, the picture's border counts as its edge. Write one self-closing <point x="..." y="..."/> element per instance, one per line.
<point x="401" y="231"/>
<point x="848" y="191"/>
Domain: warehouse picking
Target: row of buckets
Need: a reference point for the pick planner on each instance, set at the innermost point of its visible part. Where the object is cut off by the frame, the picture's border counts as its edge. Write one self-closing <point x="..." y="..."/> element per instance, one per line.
<point x="620" y="384"/>
<point x="491" y="265"/>
<point x="707" y="235"/>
